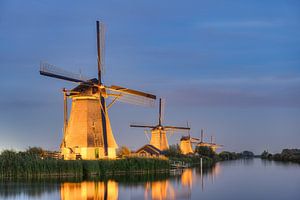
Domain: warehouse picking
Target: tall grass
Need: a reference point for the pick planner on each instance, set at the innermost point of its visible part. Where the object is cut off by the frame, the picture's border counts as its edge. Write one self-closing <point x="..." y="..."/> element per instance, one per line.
<point x="194" y="160"/>
<point x="23" y="164"/>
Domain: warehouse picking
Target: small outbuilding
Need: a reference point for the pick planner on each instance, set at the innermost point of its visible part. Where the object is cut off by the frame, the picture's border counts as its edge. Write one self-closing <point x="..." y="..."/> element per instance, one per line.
<point x="148" y="151"/>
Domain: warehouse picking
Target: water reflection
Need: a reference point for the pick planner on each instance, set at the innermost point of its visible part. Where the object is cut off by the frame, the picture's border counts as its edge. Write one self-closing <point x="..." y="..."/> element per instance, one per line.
<point x="156" y="187"/>
<point x="181" y="184"/>
<point x="159" y="190"/>
<point x="89" y="190"/>
<point x="31" y="189"/>
<point x="187" y="178"/>
<point x="206" y="175"/>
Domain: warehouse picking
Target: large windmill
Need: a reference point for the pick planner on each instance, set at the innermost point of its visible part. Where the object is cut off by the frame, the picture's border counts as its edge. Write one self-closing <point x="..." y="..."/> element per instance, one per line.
<point x="87" y="132"/>
<point x="159" y="131"/>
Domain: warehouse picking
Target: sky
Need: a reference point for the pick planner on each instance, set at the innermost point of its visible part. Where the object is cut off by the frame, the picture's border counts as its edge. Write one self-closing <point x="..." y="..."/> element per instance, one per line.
<point x="229" y="67"/>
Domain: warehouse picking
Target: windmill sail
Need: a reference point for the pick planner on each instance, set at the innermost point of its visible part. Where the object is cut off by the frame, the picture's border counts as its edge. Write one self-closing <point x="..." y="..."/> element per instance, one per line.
<point x="176" y="128"/>
<point x="141" y="126"/>
<point x="47" y="69"/>
<point x="131" y="96"/>
<point x="131" y="91"/>
<point x="100" y="49"/>
<point x="135" y="100"/>
<point x="194" y="139"/>
<point x="160" y="113"/>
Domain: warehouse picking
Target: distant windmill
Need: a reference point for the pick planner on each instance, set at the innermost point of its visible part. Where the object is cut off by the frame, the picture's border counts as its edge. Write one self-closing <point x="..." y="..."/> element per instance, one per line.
<point x="158" y="132"/>
<point x="210" y="144"/>
<point x="214" y="146"/>
<point x="88" y="133"/>
<point x="186" y="142"/>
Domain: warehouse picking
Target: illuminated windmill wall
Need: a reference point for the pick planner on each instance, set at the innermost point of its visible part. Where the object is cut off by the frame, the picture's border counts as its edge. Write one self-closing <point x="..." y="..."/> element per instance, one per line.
<point x="186" y="143"/>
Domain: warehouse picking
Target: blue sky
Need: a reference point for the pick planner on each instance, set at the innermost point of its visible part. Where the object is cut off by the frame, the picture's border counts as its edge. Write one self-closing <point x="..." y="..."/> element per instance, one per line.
<point x="230" y="67"/>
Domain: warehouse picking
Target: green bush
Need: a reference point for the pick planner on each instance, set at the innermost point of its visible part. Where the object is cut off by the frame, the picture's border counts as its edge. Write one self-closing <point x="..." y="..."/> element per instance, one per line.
<point x="173" y="151"/>
<point x="123" y="151"/>
<point x="226" y="155"/>
<point x="205" y="151"/>
<point x="288" y="155"/>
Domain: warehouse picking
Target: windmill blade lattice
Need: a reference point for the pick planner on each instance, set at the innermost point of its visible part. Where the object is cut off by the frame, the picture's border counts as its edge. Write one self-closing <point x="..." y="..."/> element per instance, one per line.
<point x="162" y="117"/>
<point x="136" y="100"/>
<point x="135" y="97"/>
<point x="102" y="30"/>
<point x="53" y="71"/>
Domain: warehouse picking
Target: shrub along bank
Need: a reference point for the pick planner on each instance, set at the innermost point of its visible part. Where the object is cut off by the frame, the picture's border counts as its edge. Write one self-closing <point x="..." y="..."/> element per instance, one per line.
<point x="286" y="155"/>
<point x="209" y="157"/>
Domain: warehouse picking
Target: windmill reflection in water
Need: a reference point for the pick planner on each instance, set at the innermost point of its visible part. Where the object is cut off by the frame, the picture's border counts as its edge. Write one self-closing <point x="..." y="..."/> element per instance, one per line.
<point x="174" y="187"/>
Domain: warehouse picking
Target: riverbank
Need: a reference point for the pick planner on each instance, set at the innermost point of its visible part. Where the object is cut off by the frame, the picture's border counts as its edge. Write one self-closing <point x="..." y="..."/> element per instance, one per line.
<point x="23" y="164"/>
<point x="193" y="161"/>
<point x="211" y="183"/>
<point x="286" y="155"/>
<point x="34" y="164"/>
<point x="30" y="164"/>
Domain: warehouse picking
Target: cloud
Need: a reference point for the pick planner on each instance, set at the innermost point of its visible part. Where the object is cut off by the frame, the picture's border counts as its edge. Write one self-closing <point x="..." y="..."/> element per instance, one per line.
<point x="242" y="24"/>
<point x="16" y="102"/>
<point x="232" y="98"/>
<point x="262" y="80"/>
<point x="238" y="92"/>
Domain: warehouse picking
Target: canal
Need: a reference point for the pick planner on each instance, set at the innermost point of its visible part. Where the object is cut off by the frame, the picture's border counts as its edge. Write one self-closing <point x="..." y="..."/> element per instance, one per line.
<point x="240" y="179"/>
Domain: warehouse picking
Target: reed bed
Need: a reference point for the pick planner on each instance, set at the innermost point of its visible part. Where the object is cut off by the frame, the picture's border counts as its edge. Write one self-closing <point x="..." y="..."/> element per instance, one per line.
<point x="23" y="164"/>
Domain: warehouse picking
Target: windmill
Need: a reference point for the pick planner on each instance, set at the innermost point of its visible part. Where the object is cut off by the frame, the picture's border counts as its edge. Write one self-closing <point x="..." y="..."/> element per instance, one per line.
<point x="186" y="143"/>
<point x="214" y="146"/>
<point x="158" y="132"/>
<point x="210" y="144"/>
<point x="87" y="132"/>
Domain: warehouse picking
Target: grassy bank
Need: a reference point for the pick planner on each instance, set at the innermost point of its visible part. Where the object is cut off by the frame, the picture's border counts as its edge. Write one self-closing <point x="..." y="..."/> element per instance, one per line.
<point x="209" y="157"/>
<point x="194" y="160"/>
<point x="286" y="155"/>
<point x="34" y="163"/>
<point x="24" y="164"/>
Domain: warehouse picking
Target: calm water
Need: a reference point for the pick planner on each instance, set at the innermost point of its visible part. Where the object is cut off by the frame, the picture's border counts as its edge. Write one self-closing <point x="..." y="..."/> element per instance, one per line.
<point x="242" y="179"/>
